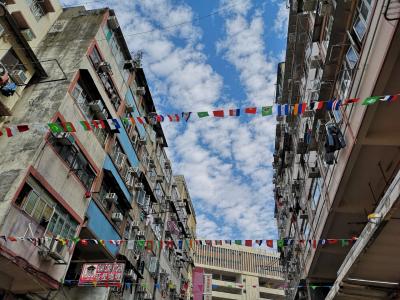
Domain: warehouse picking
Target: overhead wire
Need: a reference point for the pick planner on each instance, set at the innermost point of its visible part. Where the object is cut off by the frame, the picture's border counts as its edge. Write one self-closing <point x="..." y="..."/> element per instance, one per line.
<point x="164" y="28"/>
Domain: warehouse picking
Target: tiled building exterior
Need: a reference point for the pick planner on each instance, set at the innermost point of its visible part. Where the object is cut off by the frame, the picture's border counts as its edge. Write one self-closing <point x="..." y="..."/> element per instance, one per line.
<point x="240" y="272"/>
<point x="71" y="65"/>
<point x="339" y="50"/>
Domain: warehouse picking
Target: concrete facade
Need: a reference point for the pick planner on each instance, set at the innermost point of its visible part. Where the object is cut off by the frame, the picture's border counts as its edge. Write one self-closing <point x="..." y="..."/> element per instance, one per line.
<point x="339" y="50"/>
<point x="100" y="184"/>
<point x="240" y="272"/>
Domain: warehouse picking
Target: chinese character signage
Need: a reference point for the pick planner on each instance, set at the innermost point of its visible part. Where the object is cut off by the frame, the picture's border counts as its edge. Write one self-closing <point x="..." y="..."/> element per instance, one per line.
<point x="107" y="274"/>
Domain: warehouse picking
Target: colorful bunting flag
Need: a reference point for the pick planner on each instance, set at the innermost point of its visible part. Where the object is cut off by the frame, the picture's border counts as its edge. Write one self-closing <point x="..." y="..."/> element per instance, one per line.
<point x="248" y="243"/>
<point x="250" y="110"/>
<point x="86" y="126"/>
<point x="218" y="113"/>
<point x="238" y="242"/>
<point x="186" y="115"/>
<point x="266" y="111"/>
<point x="173" y="118"/>
<point x="270" y="243"/>
<point x="351" y="100"/>
<point x="234" y="112"/>
<point x="203" y="114"/>
<point x="371" y="100"/>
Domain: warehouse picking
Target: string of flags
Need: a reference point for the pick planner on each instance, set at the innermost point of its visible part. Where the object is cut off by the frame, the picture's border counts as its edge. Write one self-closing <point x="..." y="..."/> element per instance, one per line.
<point x="297" y="109"/>
<point x="149" y="244"/>
<point x="128" y="285"/>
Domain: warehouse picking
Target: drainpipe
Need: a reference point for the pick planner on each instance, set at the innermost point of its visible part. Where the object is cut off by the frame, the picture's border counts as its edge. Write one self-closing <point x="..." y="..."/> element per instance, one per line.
<point x="14" y="27"/>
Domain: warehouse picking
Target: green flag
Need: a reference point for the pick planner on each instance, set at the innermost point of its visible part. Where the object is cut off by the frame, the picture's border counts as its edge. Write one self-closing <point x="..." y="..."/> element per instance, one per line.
<point x="238" y="242"/>
<point x="203" y="114"/>
<point x="140" y="243"/>
<point x="371" y="100"/>
<point x="279" y="243"/>
<point x="344" y="242"/>
<point x="313" y="286"/>
<point x="55" y="127"/>
<point x="266" y="111"/>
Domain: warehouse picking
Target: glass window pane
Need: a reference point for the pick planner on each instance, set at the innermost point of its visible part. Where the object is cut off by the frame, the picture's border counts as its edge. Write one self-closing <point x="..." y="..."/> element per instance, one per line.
<point x="59" y="226"/>
<point x="352" y="57"/>
<point x="52" y="223"/>
<point x="364" y="11"/>
<point x="360" y="28"/>
<point x="30" y="202"/>
<point x="37" y="213"/>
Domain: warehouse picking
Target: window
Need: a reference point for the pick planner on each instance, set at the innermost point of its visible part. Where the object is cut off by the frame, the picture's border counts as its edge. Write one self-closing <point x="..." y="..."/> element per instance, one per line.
<point x="159" y="192"/>
<point x="83" y="99"/>
<point x="345" y="82"/>
<point x="315" y="193"/>
<point x="361" y="21"/>
<point x="36" y="9"/>
<point x="95" y="57"/>
<point x="37" y="203"/>
<point x="75" y="160"/>
<point x="11" y="61"/>
<point x="352" y="57"/>
<point x="327" y="32"/>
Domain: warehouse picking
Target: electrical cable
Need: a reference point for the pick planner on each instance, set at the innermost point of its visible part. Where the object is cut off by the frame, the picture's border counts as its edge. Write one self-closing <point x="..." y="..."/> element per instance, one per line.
<point x="165" y="28"/>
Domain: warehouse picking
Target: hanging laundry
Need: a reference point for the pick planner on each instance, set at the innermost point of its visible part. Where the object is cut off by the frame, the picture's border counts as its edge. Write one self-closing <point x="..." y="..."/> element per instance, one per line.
<point x="334" y="141"/>
<point x="8" y="89"/>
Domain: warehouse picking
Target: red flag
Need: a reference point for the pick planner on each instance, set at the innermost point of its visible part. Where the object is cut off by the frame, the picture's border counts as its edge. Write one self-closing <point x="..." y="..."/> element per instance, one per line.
<point x="99" y="124"/>
<point x="314" y="244"/>
<point x="332" y="241"/>
<point x="22" y="128"/>
<point x="248" y="243"/>
<point x="85" y="125"/>
<point x="270" y="243"/>
<point x="140" y="120"/>
<point x="250" y="110"/>
<point x="11" y="238"/>
<point x="10" y="131"/>
<point x="218" y="113"/>
<point x="84" y="242"/>
<point x="352" y="100"/>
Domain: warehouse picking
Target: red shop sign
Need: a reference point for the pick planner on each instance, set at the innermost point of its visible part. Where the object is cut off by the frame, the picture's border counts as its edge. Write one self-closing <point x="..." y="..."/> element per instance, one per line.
<point x="104" y="274"/>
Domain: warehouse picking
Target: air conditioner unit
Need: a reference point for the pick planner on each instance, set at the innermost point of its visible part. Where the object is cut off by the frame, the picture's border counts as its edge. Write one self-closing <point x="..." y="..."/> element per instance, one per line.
<point x="167" y="165"/>
<point x="148" y="296"/>
<point x="129" y="65"/>
<point x="57" y="250"/>
<point x="104" y="67"/>
<point x="130" y="180"/>
<point x="309" y="5"/>
<point x="19" y="76"/>
<point x="134" y="170"/>
<point x="141" y="90"/>
<point x="160" y="178"/>
<point x="117" y="217"/>
<point x="64" y="138"/>
<point x="130" y="274"/>
<point x="314" y="172"/>
<point x="113" y="22"/>
<point x="140" y="234"/>
<point x="289" y="158"/>
<point x="160" y="140"/>
<point x="28" y="34"/>
<point x="142" y="141"/>
<point x="325" y="7"/>
<point x="135" y="225"/>
<point x="96" y="106"/>
<point x="129" y="108"/>
<point x="111" y="197"/>
<point x="138" y="186"/>
<point x="134" y="139"/>
<point x="120" y="160"/>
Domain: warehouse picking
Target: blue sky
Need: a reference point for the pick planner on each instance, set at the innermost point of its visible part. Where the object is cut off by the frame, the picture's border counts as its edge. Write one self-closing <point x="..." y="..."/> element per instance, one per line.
<point x="227" y="60"/>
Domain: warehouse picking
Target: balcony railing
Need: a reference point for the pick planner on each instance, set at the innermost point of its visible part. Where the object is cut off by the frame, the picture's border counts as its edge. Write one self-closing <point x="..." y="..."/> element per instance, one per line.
<point x="36" y="9"/>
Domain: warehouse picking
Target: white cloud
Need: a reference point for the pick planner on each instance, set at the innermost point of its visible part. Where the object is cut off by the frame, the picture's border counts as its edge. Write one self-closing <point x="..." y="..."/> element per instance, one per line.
<point x="282" y="20"/>
<point x="227" y="162"/>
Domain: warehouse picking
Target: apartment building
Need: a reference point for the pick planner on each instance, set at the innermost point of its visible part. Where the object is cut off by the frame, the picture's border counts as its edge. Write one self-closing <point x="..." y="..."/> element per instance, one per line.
<point x="237" y="272"/>
<point x="339" y="50"/>
<point x="100" y="185"/>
